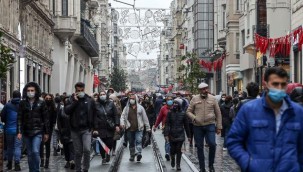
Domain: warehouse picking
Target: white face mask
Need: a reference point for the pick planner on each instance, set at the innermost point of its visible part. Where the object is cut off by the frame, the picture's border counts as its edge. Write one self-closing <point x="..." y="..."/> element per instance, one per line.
<point x="103" y="98"/>
<point x="132" y="102"/>
<point x="223" y="99"/>
<point x="31" y="94"/>
<point x="81" y="94"/>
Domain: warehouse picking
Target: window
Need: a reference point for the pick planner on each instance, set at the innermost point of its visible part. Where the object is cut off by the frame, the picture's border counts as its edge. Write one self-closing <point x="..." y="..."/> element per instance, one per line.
<point x="64" y="7"/>
<point x="54" y="7"/>
<point x="238" y="5"/>
<point x="243" y="40"/>
<point x="223" y="16"/>
<point x="115" y="28"/>
<point x="237" y="42"/>
<point x="115" y="40"/>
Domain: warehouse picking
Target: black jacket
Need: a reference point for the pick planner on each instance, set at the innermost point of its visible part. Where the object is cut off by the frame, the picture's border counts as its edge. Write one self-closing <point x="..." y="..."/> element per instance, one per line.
<point x="225" y="109"/>
<point x="33" y="120"/>
<point x="102" y="119"/>
<point x="176" y="123"/>
<point x="63" y="126"/>
<point x="81" y="113"/>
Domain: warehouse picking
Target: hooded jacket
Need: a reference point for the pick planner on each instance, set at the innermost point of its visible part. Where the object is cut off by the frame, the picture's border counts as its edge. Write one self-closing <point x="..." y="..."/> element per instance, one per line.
<point x="141" y="116"/>
<point x="9" y="115"/>
<point x="176" y="124"/>
<point x="256" y="146"/>
<point x="32" y="118"/>
<point x="81" y="113"/>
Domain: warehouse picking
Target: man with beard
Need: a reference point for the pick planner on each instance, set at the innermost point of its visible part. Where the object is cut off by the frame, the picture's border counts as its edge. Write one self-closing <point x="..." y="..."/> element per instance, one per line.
<point x="204" y="111"/>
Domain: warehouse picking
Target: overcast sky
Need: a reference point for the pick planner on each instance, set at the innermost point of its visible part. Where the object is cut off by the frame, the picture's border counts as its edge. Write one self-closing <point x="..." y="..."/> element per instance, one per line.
<point x="143" y="4"/>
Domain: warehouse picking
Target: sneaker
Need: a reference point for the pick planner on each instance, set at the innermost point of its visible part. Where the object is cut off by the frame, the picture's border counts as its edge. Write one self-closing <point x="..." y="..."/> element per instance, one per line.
<point x="17" y="167"/>
<point x="104" y="161"/>
<point x="9" y="165"/>
<point x="67" y="165"/>
<point x="139" y="157"/>
<point x="167" y="157"/>
<point x="107" y="158"/>
<point x="211" y="168"/>
<point x="225" y="149"/>
<point x="132" y="158"/>
<point x="178" y="168"/>
<point x="72" y="165"/>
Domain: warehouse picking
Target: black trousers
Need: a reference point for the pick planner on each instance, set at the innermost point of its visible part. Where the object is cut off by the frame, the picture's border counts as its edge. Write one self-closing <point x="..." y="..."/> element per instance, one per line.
<point x="69" y="152"/>
<point x="175" y="149"/>
<point x="109" y="141"/>
<point x="47" y="145"/>
<point x="191" y="131"/>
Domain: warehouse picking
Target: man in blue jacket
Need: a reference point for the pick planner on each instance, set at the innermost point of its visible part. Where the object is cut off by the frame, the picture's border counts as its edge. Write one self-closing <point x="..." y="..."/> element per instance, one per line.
<point x="267" y="134"/>
<point x="9" y="115"/>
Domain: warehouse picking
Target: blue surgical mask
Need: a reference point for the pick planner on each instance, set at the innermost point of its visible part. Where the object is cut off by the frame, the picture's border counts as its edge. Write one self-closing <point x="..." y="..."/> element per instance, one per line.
<point x="276" y="95"/>
<point x="170" y="102"/>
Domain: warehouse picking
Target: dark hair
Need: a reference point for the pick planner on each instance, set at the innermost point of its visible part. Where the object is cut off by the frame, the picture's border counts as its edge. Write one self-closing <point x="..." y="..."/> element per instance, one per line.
<point x="252" y="89"/>
<point x="37" y="89"/>
<point x="16" y="94"/>
<point x="297" y="95"/>
<point x="79" y="84"/>
<point x="228" y="98"/>
<point x="235" y="101"/>
<point x="223" y="95"/>
<point x="275" y="70"/>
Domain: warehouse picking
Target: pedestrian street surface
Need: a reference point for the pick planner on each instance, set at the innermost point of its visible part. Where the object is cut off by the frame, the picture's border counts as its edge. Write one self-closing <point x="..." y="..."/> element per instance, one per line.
<point x="223" y="162"/>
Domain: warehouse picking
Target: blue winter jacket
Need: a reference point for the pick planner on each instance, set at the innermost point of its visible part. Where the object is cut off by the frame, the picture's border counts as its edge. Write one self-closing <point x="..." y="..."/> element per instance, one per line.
<point x="9" y="115"/>
<point x="255" y="145"/>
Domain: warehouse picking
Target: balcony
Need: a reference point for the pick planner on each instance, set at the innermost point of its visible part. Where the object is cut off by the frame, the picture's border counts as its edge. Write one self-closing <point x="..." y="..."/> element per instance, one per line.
<point x="87" y="40"/>
<point x="65" y="26"/>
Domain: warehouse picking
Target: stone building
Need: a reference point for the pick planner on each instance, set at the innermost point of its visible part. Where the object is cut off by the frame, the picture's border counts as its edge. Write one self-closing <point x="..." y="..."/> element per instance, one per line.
<point x="75" y="46"/>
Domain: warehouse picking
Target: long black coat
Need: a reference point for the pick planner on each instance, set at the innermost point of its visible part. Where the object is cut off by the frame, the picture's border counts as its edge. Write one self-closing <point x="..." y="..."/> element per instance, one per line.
<point x="176" y="123"/>
<point x="100" y="123"/>
<point x="225" y="109"/>
<point x="64" y="126"/>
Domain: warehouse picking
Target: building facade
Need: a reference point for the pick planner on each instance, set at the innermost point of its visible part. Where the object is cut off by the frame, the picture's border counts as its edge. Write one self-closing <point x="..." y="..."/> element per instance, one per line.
<point x="75" y="49"/>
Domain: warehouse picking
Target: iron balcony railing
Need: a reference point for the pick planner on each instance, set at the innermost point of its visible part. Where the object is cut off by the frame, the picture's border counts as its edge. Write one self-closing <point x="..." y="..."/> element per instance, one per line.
<point x="88" y="40"/>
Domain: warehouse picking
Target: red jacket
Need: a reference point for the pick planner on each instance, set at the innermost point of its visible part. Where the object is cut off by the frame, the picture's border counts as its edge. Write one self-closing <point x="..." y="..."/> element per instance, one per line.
<point x="162" y="116"/>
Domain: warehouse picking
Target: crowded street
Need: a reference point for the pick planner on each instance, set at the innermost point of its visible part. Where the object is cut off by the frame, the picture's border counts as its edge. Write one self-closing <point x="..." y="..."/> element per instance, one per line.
<point x="151" y="85"/>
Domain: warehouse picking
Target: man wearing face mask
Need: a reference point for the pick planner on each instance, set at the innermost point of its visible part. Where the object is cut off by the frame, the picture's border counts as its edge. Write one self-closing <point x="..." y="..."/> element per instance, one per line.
<point x="134" y="119"/>
<point x="80" y="108"/>
<point x="162" y="118"/>
<point x="204" y="111"/>
<point x="33" y="123"/>
<point x="267" y="133"/>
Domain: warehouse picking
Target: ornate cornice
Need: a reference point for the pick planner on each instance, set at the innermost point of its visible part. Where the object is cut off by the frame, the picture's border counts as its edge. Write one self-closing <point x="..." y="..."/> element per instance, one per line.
<point x="44" y="14"/>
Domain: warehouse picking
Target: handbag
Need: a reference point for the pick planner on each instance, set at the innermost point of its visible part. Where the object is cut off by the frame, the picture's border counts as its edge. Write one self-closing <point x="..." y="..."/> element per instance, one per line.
<point x="110" y="124"/>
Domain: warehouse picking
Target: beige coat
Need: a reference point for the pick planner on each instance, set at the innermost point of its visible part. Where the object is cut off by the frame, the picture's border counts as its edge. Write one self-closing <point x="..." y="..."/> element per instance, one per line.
<point x="204" y="111"/>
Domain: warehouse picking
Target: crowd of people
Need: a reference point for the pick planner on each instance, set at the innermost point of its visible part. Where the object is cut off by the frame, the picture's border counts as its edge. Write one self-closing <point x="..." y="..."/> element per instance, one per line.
<point x="259" y="128"/>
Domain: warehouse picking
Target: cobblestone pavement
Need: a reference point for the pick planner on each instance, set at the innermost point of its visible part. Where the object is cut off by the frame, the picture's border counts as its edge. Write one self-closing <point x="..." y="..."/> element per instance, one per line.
<point x="223" y="162"/>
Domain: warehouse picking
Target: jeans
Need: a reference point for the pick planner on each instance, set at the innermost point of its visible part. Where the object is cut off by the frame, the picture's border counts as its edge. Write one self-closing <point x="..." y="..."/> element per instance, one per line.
<point x="167" y="147"/>
<point x="135" y="142"/>
<point x="54" y="135"/>
<point x="13" y="147"/>
<point x="209" y="132"/>
<point x="33" y="148"/>
<point x="225" y="135"/>
<point x="82" y="144"/>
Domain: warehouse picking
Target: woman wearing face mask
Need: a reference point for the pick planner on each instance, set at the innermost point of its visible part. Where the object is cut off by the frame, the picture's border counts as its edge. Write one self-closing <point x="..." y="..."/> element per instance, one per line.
<point x="226" y="120"/>
<point x="106" y="121"/>
<point x="52" y="114"/>
<point x="176" y="123"/>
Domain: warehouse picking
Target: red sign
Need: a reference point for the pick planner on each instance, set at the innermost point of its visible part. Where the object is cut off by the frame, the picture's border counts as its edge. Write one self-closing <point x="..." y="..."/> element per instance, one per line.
<point x="181" y="46"/>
